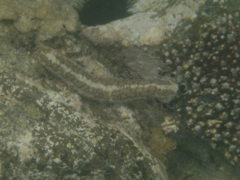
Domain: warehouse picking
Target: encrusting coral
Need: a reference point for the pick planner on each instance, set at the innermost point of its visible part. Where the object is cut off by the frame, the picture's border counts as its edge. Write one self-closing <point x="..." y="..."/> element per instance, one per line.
<point x="208" y="60"/>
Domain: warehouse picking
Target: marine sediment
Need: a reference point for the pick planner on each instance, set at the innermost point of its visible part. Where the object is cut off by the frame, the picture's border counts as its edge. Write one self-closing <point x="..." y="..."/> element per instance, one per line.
<point x="112" y="89"/>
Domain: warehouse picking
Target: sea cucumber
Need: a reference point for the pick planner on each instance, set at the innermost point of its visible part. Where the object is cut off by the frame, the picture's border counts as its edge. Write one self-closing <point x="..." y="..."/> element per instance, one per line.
<point x="112" y="90"/>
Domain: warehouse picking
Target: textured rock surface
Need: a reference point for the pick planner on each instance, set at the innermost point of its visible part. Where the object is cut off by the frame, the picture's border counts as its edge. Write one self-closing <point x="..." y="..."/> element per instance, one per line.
<point x="46" y="18"/>
<point x="52" y="134"/>
<point x="149" y="27"/>
<point x="47" y="131"/>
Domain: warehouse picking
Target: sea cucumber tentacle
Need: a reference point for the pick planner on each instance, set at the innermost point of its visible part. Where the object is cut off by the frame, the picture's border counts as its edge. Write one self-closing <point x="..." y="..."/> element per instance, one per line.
<point x="69" y="72"/>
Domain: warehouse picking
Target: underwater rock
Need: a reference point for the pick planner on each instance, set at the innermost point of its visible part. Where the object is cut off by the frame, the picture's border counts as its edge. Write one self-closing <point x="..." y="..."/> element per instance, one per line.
<point x="42" y="136"/>
<point x="46" y="18"/>
<point x="49" y="132"/>
<point x="144" y="28"/>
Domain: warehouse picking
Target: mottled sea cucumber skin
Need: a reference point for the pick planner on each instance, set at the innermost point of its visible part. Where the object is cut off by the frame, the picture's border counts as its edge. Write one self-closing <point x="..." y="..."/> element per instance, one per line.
<point x="112" y="90"/>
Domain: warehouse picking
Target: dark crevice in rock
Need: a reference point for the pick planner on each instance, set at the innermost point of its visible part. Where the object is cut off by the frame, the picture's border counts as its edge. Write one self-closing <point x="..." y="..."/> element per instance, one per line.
<point x="97" y="12"/>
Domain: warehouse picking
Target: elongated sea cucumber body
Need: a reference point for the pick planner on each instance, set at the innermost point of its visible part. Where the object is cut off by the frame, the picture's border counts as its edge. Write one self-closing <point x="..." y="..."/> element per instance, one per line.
<point x="112" y="90"/>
